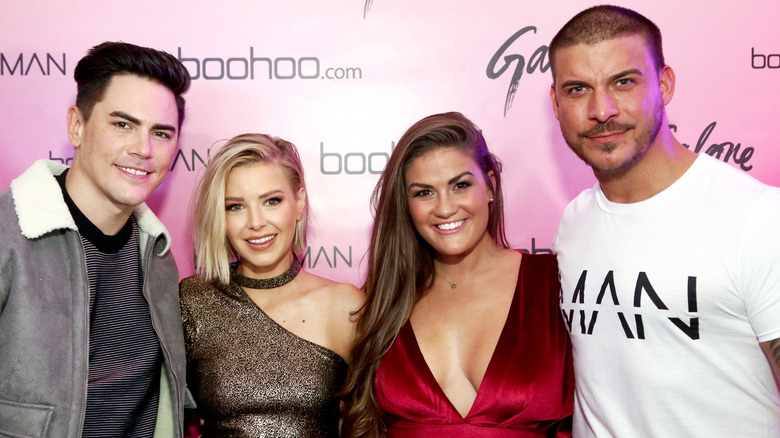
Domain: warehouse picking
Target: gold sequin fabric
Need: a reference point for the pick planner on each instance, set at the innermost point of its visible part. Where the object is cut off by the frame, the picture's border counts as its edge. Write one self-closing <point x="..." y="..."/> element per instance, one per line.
<point x="250" y="376"/>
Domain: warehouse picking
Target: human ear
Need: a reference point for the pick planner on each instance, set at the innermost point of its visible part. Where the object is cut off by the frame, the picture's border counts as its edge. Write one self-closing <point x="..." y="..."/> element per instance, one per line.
<point x="492" y="177"/>
<point x="301" y="199"/>
<point x="76" y="123"/>
<point x="666" y="82"/>
<point x="554" y="99"/>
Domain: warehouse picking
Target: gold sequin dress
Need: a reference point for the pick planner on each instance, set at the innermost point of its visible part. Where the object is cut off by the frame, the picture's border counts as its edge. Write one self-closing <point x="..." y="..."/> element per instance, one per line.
<point x="250" y="376"/>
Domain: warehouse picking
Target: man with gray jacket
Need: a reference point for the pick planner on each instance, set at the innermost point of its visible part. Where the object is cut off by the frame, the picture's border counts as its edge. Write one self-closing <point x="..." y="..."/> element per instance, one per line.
<point x="90" y="329"/>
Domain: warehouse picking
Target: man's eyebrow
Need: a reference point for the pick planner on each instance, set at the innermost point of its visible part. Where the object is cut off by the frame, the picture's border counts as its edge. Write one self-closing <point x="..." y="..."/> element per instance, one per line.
<point x="616" y="76"/>
<point x="160" y="127"/>
<point x="134" y="120"/>
<point x="629" y="72"/>
<point x="128" y="117"/>
<point x="573" y="83"/>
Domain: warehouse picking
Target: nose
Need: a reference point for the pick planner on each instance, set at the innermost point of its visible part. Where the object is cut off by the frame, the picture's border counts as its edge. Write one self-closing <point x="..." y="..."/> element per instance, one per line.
<point x="445" y="206"/>
<point x="602" y="106"/>
<point x="256" y="218"/>
<point x="141" y="146"/>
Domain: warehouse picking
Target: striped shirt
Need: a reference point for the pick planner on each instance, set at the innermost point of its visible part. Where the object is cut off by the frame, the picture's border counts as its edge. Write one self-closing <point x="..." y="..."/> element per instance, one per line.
<point x="124" y="351"/>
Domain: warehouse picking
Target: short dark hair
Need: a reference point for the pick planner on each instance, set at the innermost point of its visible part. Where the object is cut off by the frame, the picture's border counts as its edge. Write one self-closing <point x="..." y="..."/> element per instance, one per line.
<point x="94" y="72"/>
<point x="605" y="22"/>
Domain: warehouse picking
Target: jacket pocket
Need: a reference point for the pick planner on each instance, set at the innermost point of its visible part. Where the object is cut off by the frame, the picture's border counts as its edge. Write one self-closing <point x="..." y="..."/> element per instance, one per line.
<point x="24" y="420"/>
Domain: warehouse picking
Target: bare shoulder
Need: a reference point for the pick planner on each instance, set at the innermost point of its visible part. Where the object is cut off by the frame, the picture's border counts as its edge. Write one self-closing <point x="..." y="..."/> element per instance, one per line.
<point x="342" y="296"/>
<point x="347" y="292"/>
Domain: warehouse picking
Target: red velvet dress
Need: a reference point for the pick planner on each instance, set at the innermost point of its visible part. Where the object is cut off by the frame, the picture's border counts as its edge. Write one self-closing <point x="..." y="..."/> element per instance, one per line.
<point x="528" y="387"/>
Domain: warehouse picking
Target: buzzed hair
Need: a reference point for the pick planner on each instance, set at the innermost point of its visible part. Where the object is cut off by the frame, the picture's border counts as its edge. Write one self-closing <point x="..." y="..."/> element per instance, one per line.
<point x="605" y="22"/>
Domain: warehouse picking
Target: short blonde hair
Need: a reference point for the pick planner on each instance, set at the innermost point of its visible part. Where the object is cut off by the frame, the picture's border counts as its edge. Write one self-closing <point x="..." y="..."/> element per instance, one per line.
<point x="213" y="252"/>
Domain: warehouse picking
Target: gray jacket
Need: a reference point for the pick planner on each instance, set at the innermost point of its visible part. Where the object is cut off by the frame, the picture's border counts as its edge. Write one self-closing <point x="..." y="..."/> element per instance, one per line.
<point x="44" y="300"/>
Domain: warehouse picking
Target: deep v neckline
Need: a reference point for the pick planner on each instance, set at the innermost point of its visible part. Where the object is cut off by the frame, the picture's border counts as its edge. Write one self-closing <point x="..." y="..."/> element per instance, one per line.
<point x="408" y="332"/>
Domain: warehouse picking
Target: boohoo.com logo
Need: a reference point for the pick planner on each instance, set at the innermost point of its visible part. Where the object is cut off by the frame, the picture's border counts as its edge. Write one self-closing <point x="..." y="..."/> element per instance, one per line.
<point x="764" y="60"/>
<point x="263" y="67"/>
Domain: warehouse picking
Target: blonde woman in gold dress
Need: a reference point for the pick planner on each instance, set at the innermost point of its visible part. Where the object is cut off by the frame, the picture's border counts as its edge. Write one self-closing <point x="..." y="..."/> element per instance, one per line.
<point x="267" y="342"/>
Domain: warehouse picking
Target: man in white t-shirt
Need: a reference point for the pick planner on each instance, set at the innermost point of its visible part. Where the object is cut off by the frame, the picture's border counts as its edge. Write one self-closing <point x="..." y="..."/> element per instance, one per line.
<point x="670" y="265"/>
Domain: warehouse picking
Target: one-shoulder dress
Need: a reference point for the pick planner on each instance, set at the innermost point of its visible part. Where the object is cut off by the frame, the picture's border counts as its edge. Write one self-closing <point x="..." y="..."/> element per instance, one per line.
<point x="528" y="387"/>
<point x="249" y="375"/>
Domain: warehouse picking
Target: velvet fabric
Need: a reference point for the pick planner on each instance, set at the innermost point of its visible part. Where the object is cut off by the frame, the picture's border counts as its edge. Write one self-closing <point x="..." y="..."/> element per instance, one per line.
<point x="528" y="387"/>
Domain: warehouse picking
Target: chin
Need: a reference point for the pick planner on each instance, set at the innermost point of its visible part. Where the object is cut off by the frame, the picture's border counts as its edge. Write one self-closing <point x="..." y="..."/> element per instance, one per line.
<point x="450" y="252"/>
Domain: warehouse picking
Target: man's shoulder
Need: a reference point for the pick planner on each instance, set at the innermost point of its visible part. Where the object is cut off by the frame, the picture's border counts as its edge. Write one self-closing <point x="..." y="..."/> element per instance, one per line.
<point x="151" y="226"/>
<point x="729" y="175"/>
<point x="9" y="223"/>
<point x="38" y="202"/>
<point x="733" y="188"/>
<point x="6" y="198"/>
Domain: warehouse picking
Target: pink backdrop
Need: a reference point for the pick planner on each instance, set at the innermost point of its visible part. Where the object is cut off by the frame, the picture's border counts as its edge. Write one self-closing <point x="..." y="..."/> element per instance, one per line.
<point x="345" y="82"/>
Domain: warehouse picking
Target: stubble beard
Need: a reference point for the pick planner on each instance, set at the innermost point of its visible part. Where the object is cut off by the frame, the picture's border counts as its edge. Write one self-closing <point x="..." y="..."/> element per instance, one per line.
<point x="642" y="143"/>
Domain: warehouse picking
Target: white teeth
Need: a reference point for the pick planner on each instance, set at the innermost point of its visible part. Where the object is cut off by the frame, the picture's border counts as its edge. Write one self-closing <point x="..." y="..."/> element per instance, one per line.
<point x="133" y="171"/>
<point x="451" y="225"/>
<point x="263" y="240"/>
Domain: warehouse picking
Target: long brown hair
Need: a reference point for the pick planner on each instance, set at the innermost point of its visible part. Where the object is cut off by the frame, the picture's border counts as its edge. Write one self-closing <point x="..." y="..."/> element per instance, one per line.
<point x="400" y="261"/>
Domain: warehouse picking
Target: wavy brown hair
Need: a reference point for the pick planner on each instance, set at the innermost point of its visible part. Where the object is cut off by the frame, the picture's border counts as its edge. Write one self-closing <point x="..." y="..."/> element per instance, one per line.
<point x="400" y="261"/>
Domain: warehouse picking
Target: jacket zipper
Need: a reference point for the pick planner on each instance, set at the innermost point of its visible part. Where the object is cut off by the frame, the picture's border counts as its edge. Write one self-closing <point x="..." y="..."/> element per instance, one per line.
<point x="86" y="336"/>
<point x="172" y="380"/>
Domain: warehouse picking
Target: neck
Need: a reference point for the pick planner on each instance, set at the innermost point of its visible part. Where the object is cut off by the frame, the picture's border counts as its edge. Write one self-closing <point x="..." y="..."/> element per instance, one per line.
<point x="456" y="268"/>
<point x="663" y="164"/>
<point x="106" y="216"/>
<point x="249" y="270"/>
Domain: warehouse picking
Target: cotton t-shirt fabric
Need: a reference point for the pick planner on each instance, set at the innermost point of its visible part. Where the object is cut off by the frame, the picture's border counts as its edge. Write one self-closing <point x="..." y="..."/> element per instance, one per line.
<point x="666" y="301"/>
<point x="124" y="352"/>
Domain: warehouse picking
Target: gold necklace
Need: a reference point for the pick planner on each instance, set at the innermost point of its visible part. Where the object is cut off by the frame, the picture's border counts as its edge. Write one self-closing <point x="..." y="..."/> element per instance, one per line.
<point x="453" y="285"/>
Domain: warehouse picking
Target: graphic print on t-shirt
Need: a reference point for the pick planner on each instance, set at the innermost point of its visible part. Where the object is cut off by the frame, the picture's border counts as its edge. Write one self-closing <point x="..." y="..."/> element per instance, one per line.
<point x="608" y="305"/>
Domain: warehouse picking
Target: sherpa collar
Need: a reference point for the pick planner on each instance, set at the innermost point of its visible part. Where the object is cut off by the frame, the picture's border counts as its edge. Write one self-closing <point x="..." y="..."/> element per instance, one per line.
<point x="41" y="208"/>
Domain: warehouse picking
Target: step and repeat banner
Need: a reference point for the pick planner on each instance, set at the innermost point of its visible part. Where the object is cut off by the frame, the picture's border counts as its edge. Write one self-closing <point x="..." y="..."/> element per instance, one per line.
<point x="344" y="79"/>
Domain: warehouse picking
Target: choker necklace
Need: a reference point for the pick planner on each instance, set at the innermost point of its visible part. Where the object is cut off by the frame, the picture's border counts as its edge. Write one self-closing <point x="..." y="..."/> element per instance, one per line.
<point x="266" y="283"/>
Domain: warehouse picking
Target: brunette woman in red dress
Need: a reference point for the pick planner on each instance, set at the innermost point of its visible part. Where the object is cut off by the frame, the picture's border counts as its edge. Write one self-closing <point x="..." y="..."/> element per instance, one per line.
<point x="461" y="336"/>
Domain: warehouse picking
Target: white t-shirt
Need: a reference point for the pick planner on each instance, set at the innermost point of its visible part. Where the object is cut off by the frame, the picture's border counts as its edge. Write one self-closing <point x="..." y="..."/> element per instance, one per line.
<point x="666" y="301"/>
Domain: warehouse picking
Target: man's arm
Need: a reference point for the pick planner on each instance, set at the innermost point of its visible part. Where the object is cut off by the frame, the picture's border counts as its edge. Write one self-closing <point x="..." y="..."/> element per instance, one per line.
<point x="772" y="349"/>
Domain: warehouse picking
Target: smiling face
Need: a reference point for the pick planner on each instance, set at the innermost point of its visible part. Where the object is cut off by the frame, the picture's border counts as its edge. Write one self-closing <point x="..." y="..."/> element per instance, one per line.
<point x="448" y="201"/>
<point x="124" y="149"/>
<point x="609" y="98"/>
<point x="261" y="210"/>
